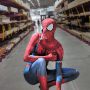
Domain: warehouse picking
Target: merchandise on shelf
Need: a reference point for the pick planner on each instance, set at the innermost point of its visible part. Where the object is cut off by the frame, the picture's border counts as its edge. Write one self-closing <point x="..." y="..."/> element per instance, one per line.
<point x="3" y="8"/>
<point x="14" y="18"/>
<point x="4" y="19"/>
<point x="74" y="15"/>
<point x="14" y="9"/>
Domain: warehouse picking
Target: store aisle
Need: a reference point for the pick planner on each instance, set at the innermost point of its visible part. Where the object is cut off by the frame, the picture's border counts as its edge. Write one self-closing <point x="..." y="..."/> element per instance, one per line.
<point x="77" y="55"/>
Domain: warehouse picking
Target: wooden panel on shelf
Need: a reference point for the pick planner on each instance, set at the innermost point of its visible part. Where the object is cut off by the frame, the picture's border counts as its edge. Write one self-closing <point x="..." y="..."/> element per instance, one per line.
<point x="2" y="51"/>
<point x="81" y="14"/>
<point x="85" y="14"/>
<point x="8" y="28"/>
<point x="4" y="34"/>
<point x="21" y="21"/>
<point x="86" y="36"/>
<point x="12" y="3"/>
<point x="76" y="3"/>
<point x="59" y="3"/>
<point x="19" y="14"/>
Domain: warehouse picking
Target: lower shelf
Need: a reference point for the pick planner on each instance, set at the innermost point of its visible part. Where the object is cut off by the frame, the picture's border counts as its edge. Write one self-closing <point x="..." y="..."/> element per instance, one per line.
<point x="84" y="36"/>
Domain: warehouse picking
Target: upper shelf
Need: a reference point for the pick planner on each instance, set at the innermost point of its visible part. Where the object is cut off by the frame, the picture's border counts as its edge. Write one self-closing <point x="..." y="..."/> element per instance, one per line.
<point x="58" y="3"/>
<point x="13" y="3"/>
<point x="77" y="3"/>
<point x="71" y="5"/>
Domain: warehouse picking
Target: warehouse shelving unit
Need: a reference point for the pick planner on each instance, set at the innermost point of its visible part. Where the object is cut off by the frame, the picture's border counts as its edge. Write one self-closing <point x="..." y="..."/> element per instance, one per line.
<point x="15" y="24"/>
<point x="18" y="20"/>
<point x="75" y="16"/>
<point x="14" y="3"/>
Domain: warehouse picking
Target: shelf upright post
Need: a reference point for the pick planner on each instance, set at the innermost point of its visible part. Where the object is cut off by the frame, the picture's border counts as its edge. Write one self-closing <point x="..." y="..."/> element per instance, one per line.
<point x="9" y="9"/>
<point x="70" y="20"/>
<point x="3" y="34"/>
<point x="9" y="29"/>
<point x="14" y="27"/>
<point x="78" y="15"/>
<point x="83" y="10"/>
<point x="72" y="13"/>
<point x="79" y="22"/>
<point x="65" y="14"/>
<point x="77" y="11"/>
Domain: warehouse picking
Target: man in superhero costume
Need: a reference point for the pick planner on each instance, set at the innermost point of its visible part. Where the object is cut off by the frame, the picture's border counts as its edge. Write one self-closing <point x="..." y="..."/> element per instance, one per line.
<point x="42" y="48"/>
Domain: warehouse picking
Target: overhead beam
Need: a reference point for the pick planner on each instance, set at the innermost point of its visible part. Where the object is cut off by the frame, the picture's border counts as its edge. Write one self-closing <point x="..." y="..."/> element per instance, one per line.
<point x="31" y="2"/>
<point x="38" y="3"/>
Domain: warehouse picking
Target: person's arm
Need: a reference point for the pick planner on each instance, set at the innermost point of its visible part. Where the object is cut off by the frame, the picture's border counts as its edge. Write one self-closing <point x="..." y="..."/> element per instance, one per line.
<point x="60" y="52"/>
<point x="49" y="57"/>
<point x="59" y="76"/>
<point x="27" y="57"/>
<point x="32" y="42"/>
<point x="32" y="58"/>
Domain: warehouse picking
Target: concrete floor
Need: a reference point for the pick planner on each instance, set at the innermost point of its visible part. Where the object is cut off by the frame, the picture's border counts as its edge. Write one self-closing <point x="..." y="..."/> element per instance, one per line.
<point x="77" y="55"/>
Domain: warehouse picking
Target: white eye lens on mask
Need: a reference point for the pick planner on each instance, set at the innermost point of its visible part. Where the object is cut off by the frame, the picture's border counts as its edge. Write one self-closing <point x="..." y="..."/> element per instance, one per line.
<point x="50" y="27"/>
<point x="41" y="27"/>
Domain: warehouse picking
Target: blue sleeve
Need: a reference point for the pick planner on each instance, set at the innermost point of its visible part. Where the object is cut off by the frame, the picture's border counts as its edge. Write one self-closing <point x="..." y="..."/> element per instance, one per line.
<point x="58" y="72"/>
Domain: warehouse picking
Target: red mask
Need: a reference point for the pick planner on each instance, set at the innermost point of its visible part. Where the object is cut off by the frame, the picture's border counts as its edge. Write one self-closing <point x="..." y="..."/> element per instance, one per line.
<point x="49" y="28"/>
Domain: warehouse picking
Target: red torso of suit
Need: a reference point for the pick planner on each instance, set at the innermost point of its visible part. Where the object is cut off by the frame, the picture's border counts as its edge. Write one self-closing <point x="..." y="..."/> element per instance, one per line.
<point x="44" y="47"/>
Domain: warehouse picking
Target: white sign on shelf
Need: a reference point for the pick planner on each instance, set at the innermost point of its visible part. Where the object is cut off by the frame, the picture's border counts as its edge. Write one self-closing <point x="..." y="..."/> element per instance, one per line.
<point x="14" y="9"/>
<point x="3" y="8"/>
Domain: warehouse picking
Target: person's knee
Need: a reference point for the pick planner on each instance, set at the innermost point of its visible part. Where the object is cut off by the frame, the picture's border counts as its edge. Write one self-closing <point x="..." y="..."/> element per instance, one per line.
<point x="32" y="81"/>
<point x="42" y="66"/>
<point x="41" y="61"/>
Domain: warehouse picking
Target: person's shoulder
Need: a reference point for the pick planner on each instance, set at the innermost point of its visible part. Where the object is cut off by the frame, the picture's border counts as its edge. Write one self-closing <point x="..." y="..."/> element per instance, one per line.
<point x="58" y="41"/>
<point x="58" y="44"/>
<point x="36" y="35"/>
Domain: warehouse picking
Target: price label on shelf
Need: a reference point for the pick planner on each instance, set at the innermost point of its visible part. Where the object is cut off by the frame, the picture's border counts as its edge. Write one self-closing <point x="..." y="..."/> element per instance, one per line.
<point x="3" y="8"/>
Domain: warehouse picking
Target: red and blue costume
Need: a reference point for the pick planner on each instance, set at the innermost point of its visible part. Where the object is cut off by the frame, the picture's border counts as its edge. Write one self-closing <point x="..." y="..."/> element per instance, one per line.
<point x="42" y="48"/>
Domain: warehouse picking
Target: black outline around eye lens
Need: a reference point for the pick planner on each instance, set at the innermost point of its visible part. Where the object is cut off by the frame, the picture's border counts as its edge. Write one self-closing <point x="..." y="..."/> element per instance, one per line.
<point x="48" y="29"/>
